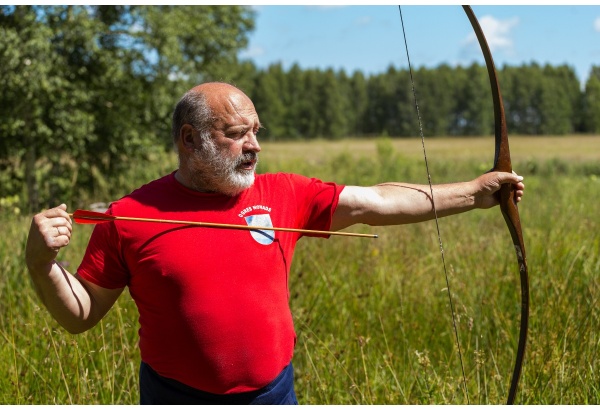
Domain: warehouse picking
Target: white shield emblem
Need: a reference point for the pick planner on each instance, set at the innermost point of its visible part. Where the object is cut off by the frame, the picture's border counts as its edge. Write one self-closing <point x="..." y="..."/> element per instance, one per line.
<point x="264" y="237"/>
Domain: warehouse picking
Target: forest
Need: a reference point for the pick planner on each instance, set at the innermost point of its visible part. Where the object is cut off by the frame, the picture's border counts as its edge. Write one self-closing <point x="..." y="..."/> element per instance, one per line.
<point x="87" y="89"/>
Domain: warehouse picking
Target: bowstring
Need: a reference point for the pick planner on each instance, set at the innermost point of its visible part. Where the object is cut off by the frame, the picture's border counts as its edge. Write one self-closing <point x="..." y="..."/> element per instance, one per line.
<point x="437" y="225"/>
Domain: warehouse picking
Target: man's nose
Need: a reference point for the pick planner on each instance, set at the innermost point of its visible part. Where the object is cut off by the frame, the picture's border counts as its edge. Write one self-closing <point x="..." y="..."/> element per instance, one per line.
<point x="251" y="143"/>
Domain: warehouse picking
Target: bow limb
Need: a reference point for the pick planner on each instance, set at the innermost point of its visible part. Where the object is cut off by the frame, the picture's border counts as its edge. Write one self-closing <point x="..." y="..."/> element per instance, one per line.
<point x="506" y="196"/>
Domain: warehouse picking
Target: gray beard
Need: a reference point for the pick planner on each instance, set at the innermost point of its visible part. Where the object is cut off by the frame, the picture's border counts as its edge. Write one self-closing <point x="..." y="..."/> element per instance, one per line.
<point x="213" y="171"/>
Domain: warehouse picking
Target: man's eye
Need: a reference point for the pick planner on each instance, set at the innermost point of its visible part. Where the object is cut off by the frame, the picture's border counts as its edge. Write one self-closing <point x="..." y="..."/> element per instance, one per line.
<point x="236" y="134"/>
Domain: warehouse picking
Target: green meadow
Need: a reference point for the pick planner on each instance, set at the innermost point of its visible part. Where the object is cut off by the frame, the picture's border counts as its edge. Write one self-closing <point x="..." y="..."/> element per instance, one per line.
<point x="372" y="315"/>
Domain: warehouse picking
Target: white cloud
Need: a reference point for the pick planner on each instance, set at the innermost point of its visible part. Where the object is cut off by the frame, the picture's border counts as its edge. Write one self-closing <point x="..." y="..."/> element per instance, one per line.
<point x="497" y="33"/>
<point x="597" y="24"/>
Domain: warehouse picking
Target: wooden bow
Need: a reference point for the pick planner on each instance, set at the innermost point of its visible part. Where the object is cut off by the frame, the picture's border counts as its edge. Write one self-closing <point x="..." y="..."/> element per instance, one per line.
<point x="506" y="197"/>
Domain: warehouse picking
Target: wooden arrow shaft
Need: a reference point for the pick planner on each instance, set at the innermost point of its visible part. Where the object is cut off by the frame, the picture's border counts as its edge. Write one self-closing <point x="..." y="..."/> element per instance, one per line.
<point x="106" y="218"/>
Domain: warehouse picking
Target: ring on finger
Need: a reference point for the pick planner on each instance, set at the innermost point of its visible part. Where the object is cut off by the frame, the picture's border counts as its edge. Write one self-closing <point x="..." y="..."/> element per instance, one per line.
<point x="58" y="231"/>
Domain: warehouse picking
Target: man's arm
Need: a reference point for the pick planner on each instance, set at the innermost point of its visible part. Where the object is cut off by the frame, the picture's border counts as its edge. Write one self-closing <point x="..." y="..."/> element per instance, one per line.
<point x="76" y="304"/>
<point x="397" y="203"/>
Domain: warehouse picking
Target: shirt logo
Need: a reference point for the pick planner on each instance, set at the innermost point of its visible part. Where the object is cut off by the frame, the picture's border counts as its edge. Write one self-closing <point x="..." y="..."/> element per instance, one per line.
<point x="264" y="237"/>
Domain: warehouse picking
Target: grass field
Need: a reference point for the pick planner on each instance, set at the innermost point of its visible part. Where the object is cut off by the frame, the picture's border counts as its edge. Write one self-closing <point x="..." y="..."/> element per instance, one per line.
<point x="372" y="316"/>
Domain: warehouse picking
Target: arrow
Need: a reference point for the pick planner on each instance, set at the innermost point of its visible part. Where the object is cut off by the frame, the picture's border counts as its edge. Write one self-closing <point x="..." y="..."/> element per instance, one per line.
<point x="89" y="217"/>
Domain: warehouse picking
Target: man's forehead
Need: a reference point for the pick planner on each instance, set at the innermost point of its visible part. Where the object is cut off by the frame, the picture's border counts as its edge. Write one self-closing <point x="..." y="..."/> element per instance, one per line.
<point x="237" y="120"/>
<point x="233" y="109"/>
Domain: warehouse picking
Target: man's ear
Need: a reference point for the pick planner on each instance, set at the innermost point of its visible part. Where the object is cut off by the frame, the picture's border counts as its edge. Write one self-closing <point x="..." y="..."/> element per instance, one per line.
<point x="186" y="137"/>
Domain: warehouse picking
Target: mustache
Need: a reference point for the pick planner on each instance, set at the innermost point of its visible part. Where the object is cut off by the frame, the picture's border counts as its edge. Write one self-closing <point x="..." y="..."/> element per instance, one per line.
<point x="246" y="157"/>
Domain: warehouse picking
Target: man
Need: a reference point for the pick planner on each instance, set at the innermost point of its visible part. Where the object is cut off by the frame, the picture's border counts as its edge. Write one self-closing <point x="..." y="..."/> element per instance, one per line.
<point x="215" y="324"/>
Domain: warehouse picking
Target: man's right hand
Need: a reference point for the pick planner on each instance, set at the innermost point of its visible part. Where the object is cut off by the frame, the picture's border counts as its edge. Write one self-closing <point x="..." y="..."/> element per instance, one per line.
<point x="50" y="231"/>
<point x="76" y="304"/>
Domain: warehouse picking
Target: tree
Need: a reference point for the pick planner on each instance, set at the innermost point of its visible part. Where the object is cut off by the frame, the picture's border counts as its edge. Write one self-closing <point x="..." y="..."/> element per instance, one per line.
<point x="294" y="121"/>
<point x="359" y="100"/>
<point x="88" y="88"/>
<point x="44" y="112"/>
<point x="437" y="99"/>
<point x="591" y="107"/>
<point x="333" y="105"/>
<point x="560" y="101"/>
<point x="271" y="101"/>
<point x="522" y="98"/>
<point x="391" y="108"/>
<point x="475" y="114"/>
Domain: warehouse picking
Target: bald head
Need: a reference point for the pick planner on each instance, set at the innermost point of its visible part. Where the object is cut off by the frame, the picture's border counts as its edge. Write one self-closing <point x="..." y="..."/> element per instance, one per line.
<point x="199" y="105"/>
<point x="216" y="89"/>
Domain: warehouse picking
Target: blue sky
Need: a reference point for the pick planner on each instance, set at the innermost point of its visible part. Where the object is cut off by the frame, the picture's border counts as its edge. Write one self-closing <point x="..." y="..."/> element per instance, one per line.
<point x="369" y="38"/>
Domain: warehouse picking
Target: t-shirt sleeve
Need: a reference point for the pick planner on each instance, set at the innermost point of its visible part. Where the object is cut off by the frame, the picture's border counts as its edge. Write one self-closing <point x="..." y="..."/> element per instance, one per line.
<point x="317" y="201"/>
<point x="103" y="263"/>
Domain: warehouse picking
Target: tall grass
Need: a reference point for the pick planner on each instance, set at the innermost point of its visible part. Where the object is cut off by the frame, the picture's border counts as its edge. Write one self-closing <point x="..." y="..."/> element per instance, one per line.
<point x="372" y="316"/>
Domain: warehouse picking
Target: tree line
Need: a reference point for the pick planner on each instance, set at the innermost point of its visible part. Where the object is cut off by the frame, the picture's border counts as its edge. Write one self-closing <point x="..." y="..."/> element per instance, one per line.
<point x="86" y="89"/>
<point x="452" y="101"/>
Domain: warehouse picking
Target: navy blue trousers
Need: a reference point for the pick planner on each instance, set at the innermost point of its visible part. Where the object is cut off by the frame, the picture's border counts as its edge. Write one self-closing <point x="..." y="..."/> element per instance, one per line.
<point x="155" y="389"/>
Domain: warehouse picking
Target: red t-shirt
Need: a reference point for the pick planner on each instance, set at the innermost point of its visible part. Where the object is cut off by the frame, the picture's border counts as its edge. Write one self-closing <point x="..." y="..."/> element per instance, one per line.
<point x="213" y="303"/>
